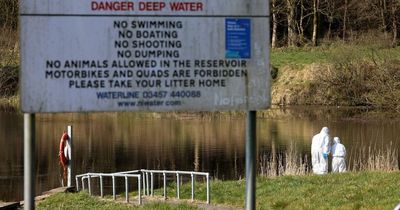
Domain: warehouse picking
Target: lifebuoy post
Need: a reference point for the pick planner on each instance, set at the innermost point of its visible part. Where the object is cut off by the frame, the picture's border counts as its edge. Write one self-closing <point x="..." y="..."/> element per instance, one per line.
<point x="65" y="156"/>
<point x="69" y="151"/>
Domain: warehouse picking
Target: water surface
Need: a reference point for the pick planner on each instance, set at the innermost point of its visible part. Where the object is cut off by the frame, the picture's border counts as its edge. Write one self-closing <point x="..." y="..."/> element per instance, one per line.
<point x="111" y="142"/>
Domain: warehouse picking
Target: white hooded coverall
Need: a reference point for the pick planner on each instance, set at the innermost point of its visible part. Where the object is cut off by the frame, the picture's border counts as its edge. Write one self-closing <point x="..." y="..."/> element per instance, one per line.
<point x="319" y="147"/>
<point x="338" y="154"/>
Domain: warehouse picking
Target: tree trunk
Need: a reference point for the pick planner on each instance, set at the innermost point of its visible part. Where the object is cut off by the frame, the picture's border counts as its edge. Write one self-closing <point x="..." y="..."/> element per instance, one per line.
<point x="329" y="11"/>
<point x="383" y="11"/>
<point x="315" y="22"/>
<point x="329" y="30"/>
<point x="301" y="28"/>
<point x="345" y="20"/>
<point x="394" y="9"/>
<point x="292" y="37"/>
<point x="274" y="25"/>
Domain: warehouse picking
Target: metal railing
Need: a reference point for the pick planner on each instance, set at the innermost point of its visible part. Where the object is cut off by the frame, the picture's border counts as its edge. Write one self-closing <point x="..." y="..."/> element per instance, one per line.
<point x="148" y="187"/>
<point x="126" y="175"/>
<point x="148" y="184"/>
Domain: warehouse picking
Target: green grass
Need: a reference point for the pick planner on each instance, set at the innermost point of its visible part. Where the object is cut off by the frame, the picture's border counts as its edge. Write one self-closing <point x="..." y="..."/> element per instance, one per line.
<point x="82" y="200"/>
<point x="366" y="190"/>
<point x="77" y="201"/>
<point x="298" y="57"/>
<point x="339" y="191"/>
<point x="362" y="190"/>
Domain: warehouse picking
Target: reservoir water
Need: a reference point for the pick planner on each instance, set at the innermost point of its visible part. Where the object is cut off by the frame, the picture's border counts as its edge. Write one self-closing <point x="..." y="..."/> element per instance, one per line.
<point x="111" y="142"/>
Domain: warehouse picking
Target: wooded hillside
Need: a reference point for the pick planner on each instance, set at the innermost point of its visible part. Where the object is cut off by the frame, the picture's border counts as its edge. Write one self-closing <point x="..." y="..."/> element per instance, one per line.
<point x="304" y="22"/>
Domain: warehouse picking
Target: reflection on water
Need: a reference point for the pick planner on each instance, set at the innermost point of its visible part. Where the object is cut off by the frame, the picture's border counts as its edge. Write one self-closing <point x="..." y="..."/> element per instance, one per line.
<point x="110" y="142"/>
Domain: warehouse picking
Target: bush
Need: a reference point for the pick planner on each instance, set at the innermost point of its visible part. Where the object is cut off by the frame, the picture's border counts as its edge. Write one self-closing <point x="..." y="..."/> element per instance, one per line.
<point x="362" y="83"/>
<point x="8" y="81"/>
<point x="9" y="14"/>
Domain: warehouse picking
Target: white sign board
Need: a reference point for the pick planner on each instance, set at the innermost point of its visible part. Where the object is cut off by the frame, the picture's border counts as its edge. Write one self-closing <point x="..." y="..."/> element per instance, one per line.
<point x="161" y="55"/>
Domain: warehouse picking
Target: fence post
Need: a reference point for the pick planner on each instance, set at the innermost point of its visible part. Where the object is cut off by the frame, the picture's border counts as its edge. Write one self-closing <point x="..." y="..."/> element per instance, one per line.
<point x="113" y="183"/>
<point x="177" y="185"/>
<point x="126" y="190"/>
<point x="192" y="176"/>
<point x="83" y="183"/>
<point x="89" y="185"/>
<point x="208" y="189"/>
<point x="77" y="184"/>
<point x="144" y="182"/>
<point x="101" y="186"/>
<point x="147" y="183"/>
<point x="152" y="183"/>
<point x="139" y="188"/>
<point x="165" y="186"/>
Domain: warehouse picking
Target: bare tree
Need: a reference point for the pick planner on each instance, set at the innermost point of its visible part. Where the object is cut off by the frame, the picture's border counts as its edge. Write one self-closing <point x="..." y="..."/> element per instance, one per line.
<point x="395" y="5"/>
<point x="291" y="9"/>
<point x="345" y="19"/>
<point x="330" y="11"/>
<point x="383" y="12"/>
<point x="9" y="13"/>
<point x="315" y="22"/>
<point x="274" y="35"/>
<point x="300" y="24"/>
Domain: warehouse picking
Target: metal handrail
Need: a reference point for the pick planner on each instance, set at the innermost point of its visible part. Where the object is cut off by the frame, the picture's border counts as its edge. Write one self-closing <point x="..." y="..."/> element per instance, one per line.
<point x="88" y="176"/>
<point x="143" y="175"/>
<point x="146" y="186"/>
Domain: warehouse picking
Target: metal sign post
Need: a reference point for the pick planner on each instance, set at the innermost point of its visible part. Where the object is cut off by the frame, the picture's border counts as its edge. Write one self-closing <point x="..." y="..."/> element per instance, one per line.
<point x="29" y="161"/>
<point x="251" y="160"/>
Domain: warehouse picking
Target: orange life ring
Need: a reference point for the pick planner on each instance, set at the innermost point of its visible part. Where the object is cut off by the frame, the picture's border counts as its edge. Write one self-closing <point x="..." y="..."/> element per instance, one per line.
<point x="63" y="159"/>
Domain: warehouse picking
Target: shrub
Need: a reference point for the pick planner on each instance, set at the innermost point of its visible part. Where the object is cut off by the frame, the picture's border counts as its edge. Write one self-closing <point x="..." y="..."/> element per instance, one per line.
<point x="9" y="14"/>
<point x="361" y="83"/>
<point x="8" y="81"/>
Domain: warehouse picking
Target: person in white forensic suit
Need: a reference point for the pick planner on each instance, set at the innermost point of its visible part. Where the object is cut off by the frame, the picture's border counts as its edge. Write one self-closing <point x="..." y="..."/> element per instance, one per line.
<point x="338" y="156"/>
<point x="319" y="151"/>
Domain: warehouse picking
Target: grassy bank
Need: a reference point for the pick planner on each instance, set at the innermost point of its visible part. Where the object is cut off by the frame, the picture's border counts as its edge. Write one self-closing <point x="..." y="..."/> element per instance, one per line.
<point x="345" y="75"/>
<point x="82" y="200"/>
<point x="364" y="190"/>
<point x="297" y="58"/>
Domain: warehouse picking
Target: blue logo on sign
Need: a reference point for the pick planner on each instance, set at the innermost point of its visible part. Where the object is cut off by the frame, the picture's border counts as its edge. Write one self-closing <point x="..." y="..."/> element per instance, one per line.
<point x="237" y="38"/>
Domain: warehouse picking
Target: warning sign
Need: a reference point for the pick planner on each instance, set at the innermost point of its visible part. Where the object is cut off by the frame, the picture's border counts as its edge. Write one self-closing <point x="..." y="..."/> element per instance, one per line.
<point x="144" y="55"/>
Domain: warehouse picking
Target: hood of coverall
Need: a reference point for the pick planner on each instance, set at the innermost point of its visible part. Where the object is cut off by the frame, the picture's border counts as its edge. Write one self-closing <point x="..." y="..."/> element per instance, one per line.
<point x="325" y="131"/>
<point x="336" y="140"/>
